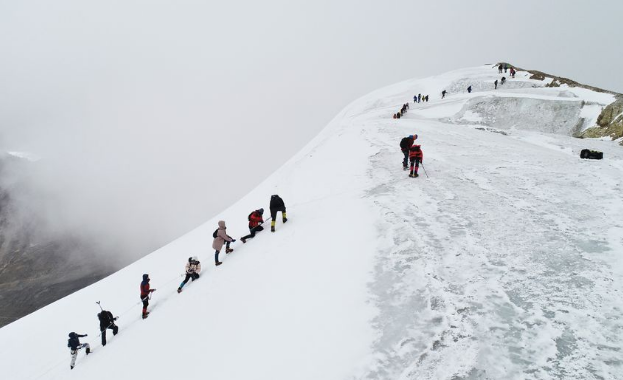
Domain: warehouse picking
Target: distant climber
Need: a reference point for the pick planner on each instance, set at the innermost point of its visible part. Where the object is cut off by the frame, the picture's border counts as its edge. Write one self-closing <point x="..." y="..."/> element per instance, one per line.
<point x="500" y="68"/>
<point x="496" y="84"/>
<point x="503" y="80"/>
<point x="397" y="117"/>
<point x="416" y="156"/>
<point x="220" y="237"/>
<point x="107" y="321"/>
<point x="146" y="294"/>
<point x="426" y="98"/>
<point x="394" y="116"/>
<point x="74" y="345"/>
<point x="405" y="144"/>
<point x="414" y="98"/>
<point x="443" y="94"/>
<point x="277" y="205"/>
<point x="419" y="97"/>
<point x="469" y="89"/>
<point x="193" y="267"/>
<point x="255" y="224"/>
<point x="513" y="72"/>
<point x="505" y="67"/>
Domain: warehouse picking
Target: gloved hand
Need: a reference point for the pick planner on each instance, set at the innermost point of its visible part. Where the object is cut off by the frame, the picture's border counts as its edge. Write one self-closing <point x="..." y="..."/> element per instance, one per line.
<point x="233" y="240"/>
<point x="86" y="334"/>
<point x="115" y="318"/>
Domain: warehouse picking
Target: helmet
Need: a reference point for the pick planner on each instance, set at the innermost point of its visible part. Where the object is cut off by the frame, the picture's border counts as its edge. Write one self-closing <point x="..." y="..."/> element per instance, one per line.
<point x="261" y="210"/>
<point x="410" y="136"/>
<point x="194" y="258"/>
<point x="72" y="334"/>
<point x="415" y="136"/>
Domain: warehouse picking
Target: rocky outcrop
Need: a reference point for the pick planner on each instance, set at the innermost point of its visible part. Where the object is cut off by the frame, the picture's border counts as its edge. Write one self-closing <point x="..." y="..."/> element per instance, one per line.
<point x="38" y="268"/>
<point x="609" y="122"/>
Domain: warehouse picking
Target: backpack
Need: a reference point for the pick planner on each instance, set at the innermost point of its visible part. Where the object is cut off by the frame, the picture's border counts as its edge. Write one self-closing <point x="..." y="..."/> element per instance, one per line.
<point x="591" y="154"/>
<point x="105" y="317"/>
<point x="215" y="234"/>
<point x="73" y="341"/>
<point x="249" y="217"/>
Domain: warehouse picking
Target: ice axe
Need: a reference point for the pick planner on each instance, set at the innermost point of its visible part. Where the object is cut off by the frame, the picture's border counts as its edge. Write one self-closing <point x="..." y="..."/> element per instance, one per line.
<point x="98" y="304"/>
<point x="424" y="170"/>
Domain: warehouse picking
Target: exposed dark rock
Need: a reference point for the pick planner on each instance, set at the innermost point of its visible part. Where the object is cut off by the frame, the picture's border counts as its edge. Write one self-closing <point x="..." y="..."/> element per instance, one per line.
<point x="37" y="268"/>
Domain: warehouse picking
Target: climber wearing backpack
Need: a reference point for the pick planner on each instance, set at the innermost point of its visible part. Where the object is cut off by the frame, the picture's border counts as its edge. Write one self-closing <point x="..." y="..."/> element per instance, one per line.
<point x="74" y="345"/>
<point x="255" y="224"/>
<point x="416" y="156"/>
<point x="405" y="144"/>
<point x="193" y="267"/>
<point x="220" y="237"/>
<point x="145" y="294"/>
<point x="276" y="205"/>
<point x="107" y="321"/>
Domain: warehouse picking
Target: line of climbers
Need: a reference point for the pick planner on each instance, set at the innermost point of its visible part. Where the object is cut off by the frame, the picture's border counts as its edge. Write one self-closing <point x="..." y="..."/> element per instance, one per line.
<point x="402" y="111"/>
<point x="420" y="98"/>
<point x="506" y="67"/>
<point x="501" y="67"/>
<point x="405" y="107"/>
<point x="192" y="270"/>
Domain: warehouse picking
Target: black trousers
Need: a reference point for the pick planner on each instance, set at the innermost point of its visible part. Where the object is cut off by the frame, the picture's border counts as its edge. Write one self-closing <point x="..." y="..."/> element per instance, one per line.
<point x="415" y="165"/>
<point x="405" y="162"/>
<point x="274" y="211"/>
<point x="145" y="303"/>
<point x="189" y="276"/>
<point x="113" y="327"/>
<point x="253" y="231"/>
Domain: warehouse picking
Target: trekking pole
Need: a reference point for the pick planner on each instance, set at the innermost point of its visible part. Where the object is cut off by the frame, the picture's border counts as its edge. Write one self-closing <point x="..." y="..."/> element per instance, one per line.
<point x="424" y="170"/>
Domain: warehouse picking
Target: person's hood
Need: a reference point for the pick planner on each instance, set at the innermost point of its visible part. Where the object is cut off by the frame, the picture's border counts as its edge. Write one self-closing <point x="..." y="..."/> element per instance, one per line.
<point x="145" y="277"/>
<point x="221" y="224"/>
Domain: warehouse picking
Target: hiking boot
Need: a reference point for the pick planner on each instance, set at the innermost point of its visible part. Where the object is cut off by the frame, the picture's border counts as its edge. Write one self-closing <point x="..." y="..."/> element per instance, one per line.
<point x="218" y="263"/>
<point x="285" y="220"/>
<point x="416" y="175"/>
<point x="228" y="250"/>
<point x="88" y="350"/>
<point x="179" y="290"/>
<point x="410" y="175"/>
<point x="243" y="240"/>
<point x="272" y="228"/>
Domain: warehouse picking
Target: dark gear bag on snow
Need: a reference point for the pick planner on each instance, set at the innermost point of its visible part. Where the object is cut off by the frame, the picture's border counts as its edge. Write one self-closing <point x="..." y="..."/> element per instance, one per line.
<point x="591" y="154"/>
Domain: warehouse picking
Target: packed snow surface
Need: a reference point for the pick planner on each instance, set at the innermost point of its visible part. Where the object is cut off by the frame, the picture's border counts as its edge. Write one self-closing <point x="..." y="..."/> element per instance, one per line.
<point x="502" y="261"/>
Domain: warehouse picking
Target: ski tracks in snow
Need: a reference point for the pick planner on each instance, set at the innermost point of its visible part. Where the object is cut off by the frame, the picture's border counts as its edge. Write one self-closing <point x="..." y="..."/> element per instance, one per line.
<point x="490" y="269"/>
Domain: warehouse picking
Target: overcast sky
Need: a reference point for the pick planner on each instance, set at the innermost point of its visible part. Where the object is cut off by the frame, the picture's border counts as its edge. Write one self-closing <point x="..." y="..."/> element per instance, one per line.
<point x="151" y="116"/>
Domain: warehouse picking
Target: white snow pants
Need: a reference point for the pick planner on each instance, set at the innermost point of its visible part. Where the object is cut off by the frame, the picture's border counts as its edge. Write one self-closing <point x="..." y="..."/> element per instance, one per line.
<point x="74" y="354"/>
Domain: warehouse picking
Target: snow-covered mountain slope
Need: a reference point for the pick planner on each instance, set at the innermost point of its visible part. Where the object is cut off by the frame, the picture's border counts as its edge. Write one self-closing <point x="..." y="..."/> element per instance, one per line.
<point x="505" y="263"/>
